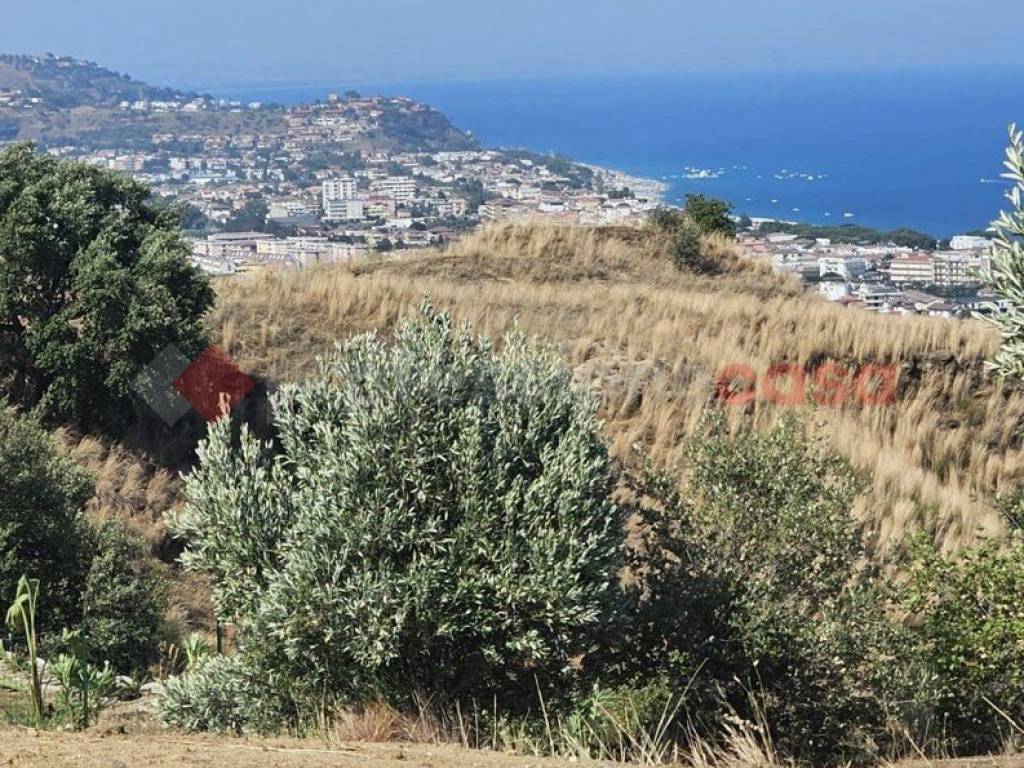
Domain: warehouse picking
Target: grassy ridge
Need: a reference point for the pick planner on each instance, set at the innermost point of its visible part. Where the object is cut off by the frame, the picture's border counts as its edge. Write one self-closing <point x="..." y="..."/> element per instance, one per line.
<point x="650" y="341"/>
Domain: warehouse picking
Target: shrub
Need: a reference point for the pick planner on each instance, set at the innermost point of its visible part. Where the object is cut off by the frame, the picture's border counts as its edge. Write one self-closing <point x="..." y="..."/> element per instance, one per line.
<point x="94" y="282"/>
<point x="123" y="601"/>
<point x="710" y="216"/>
<point x="209" y="698"/>
<point x="685" y="248"/>
<point x="84" y="571"/>
<point x="687" y="251"/>
<point x="438" y="519"/>
<point x="43" y="533"/>
<point x="752" y="594"/>
<point x="967" y="641"/>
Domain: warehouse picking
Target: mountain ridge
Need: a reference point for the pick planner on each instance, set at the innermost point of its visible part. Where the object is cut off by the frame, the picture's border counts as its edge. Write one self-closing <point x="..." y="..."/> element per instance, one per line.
<point x="65" y="81"/>
<point x="61" y="100"/>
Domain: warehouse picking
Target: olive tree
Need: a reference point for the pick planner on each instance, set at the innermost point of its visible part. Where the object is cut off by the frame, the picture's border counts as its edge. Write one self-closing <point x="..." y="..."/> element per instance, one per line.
<point x="434" y="516"/>
<point x="1006" y="274"/>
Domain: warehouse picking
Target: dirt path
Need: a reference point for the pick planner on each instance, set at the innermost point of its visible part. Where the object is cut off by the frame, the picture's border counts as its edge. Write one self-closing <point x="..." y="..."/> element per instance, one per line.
<point x="28" y="748"/>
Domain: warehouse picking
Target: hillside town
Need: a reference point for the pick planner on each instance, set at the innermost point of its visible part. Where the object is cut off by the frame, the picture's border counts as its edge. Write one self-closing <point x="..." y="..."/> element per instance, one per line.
<point x="264" y="186"/>
<point x="327" y="181"/>
<point x="888" y="279"/>
<point x="383" y="201"/>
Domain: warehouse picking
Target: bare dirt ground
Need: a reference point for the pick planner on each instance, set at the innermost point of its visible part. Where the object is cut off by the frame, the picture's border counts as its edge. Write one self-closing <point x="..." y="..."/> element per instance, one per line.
<point x="100" y="748"/>
<point x="146" y="745"/>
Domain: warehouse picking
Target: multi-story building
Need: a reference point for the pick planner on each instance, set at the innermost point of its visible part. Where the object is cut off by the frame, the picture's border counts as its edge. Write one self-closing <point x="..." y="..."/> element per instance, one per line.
<point x="343" y="210"/>
<point x="876" y="297"/>
<point x="381" y="206"/>
<point x="969" y="243"/>
<point x="401" y="188"/>
<point x="287" y="209"/>
<point x="307" y="251"/>
<point x="953" y="269"/>
<point x="344" y="188"/>
<point x="846" y="267"/>
<point x="912" y="268"/>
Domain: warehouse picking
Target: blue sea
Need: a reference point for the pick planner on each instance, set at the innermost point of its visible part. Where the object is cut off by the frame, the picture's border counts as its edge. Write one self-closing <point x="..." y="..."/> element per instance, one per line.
<point x="921" y="150"/>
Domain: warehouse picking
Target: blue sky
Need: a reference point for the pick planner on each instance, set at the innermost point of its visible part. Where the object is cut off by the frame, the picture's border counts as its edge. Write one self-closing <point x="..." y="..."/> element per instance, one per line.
<point x="221" y="42"/>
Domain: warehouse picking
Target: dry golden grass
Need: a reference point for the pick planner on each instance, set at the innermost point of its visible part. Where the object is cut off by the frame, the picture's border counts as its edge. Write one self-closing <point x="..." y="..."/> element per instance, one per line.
<point x="129" y="486"/>
<point x="650" y="340"/>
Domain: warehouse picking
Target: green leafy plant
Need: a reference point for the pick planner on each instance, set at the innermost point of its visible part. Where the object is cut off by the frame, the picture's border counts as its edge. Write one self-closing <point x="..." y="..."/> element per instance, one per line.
<point x="685" y="248"/>
<point x="22" y="616"/>
<point x="710" y="216"/>
<point x="215" y="695"/>
<point x="123" y="600"/>
<point x="438" y="519"/>
<point x="94" y="283"/>
<point x="43" y="532"/>
<point x="752" y="593"/>
<point x="85" y="689"/>
<point x="967" y="641"/>
<point x="196" y="650"/>
<point x="1006" y="274"/>
<point x="95" y="573"/>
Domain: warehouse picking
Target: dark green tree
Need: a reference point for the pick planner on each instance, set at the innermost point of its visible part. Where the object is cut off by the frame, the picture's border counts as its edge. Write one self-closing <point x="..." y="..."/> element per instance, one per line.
<point x="710" y="216"/>
<point x="753" y="585"/>
<point x="91" y="576"/>
<point x="251" y="218"/>
<point x="42" y="530"/>
<point x="123" y="600"/>
<point x="94" y="281"/>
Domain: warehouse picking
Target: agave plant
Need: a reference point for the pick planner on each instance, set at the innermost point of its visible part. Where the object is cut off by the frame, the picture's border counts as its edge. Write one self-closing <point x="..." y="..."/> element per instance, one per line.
<point x="22" y="615"/>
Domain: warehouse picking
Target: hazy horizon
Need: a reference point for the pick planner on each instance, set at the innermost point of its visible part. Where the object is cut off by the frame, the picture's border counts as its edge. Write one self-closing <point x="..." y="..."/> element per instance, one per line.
<point x="223" y="43"/>
<point x="289" y="85"/>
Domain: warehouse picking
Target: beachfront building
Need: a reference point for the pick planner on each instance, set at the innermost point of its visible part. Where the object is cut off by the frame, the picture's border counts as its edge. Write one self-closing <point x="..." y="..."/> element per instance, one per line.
<point x="912" y="268"/>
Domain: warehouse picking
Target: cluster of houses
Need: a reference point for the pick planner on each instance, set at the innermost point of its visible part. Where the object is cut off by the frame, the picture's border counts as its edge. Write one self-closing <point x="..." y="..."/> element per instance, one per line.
<point x="186" y="104"/>
<point x="331" y="171"/>
<point x="16" y="98"/>
<point x="230" y="253"/>
<point x="888" y="278"/>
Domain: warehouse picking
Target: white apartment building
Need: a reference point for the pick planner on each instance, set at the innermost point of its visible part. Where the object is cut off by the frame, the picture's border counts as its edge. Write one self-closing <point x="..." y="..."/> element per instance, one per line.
<point x="235" y="245"/>
<point x="307" y="251"/>
<point x="793" y="261"/>
<point x="969" y="243"/>
<point x="344" y="188"/>
<point x="401" y="188"/>
<point x="834" y="290"/>
<point x="127" y="163"/>
<point x="876" y="297"/>
<point x="912" y="268"/>
<point x="846" y="267"/>
<point x="952" y="269"/>
<point x="344" y="210"/>
<point x="286" y="209"/>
